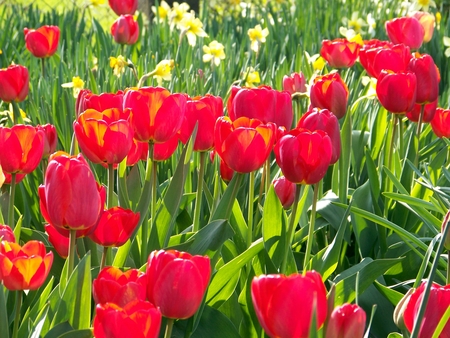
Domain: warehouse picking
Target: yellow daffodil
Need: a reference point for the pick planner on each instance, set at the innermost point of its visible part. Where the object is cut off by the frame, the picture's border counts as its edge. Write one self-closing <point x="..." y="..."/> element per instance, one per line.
<point x="192" y="27"/>
<point x="214" y="53"/>
<point x="251" y="76"/>
<point x="316" y="61"/>
<point x="257" y="37"/>
<point x="1" y="52"/>
<point x="163" y="71"/>
<point x="77" y="84"/>
<point x="96" y="3"/>
<point x="9" y="113"/>
<point x="163" y="11"/>
<point x="118" y="64"/>
<point x="447" y="44"/>
<point x="177" y="14"/>
<point x="423" y="5"/>
<point x="355" y="22"/>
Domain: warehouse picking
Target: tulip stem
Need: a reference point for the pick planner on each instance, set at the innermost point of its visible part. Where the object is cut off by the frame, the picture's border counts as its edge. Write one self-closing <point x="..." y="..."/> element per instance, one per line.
<point x="148" y="177"/>
<point x="43" y="66"/>
<point x="448" y="268"/>
<point x="391" y="148"/>
<point x="169" y="327"/>
<point x="71" y="258"/>
<point x="109" y="199"/>
<point x="312" y="223"/>
<point x="17" y="317"/>
<point x="419" y="130"/>
<point x="199" y="194"/>
<point x="12" y="192"/>
<point x="291" y="228"/>
<point x="233" y="197"/>
<point x="104" y="255"/>
<point x="251" y="197"/>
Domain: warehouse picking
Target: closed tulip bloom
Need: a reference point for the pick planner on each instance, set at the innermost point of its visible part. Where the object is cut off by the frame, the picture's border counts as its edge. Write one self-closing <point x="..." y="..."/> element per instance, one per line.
<point x="24" y="267"/>
<point x="406" y="30"/>
<point x="340" y="53"/>
<point x="14" y="83"/>
<point x="163" y="151"/>
<point x="244" y="144"/>
<point x="323" y="119"/>
<point x="115" y="227"/>
<point x="138" y="317"/>
<point x="428" y="113"/>
<point x="50" y="138"/>
<point x="284" y="305"/>
<point x="226" y="173"/>
<point x="330" y="92"/>
<point x="265" y="104"/>
<point x="42" y="42"/>
<point x="438" y="301"/>
<point x="427" y="75"/>
<point x="285" y="191"/>
<point x="21" y="148"/>
<point x="346" y="321"/>
<point x="233" y="92"/>
<point x="6" y="233"/>
<point x="100" y="102"/>
<point x="203" y="111"/>
<point x="114" y="286"/>
<point x="122" y="7"/>
<point x="295" y="83"/>
<point x="70" y="197"/>
<point x="138" y="152"/>
<point x="441" y="123"/>
<point x="427" y="20"/>
<point x="155" y="114"/>
<point x="104" y="137"/>
<point x="397" y="91"/>
<point x="304" y="155"/>
<point x="125" y="30"/>
<point x="177" y="282"/>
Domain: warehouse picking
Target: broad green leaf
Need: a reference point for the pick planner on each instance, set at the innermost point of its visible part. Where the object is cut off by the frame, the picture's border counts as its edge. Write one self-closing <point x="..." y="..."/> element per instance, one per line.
<point x="59" y="330"/>
<point x="3" y="312"/>
<point x="40" y="321"/>
<point x="391" y="295"/>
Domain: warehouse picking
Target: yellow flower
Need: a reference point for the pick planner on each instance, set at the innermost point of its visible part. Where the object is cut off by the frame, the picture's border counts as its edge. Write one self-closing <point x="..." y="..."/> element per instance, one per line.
<point x="447" y="44"/>
<point x="214" y="52"/>
<point x="438" y="18"/>
<point x="163" y="11"/>
<point x="1" y="52"/>
<point x="319" y="63"/>
<point x="118" y="64"/>
<point x="358" y="39"/>
<point x="177" y="14"/>
<point x="163" y="71"/>
<point x="96" y="3"/>
<point x="77" y="84"/>
<point x="423" y="5"/>
<point x="251" y="77"/>
<point x="192" y="27"/>
<point x="9" y="113"/>
<point x="356" y="23"/>
<point x="257" y="37"/>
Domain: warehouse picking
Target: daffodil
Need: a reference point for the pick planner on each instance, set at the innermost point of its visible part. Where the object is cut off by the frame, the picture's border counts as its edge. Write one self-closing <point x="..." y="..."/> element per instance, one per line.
<point x="251" y="76"/>
<point x="77" y="84"/>
<point x="355" y="22"/>
<point x="163" y="11"/>
<point x="9" y="114"/>
<point x="423" y="5"/>
<point x="163" y="71"/>
<point x="191" y="27"/>
<point x="96" y="3"/>
<point x="118" y="64"/>
<point x="316" y="61"/>
<point x="447" y="44"/>
<point x="214" y="53"/>
<point x="438" y="21"/>
<point x="177" y="13"/>
<point x="257" y="37"/>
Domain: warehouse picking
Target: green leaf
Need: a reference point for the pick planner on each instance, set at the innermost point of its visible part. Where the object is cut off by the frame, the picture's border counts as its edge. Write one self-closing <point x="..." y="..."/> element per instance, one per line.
<point x="391" y="295"/>
<point x="3" y="313"/>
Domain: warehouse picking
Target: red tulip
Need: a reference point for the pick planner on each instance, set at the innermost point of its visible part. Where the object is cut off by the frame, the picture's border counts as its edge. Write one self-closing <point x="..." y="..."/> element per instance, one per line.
<point x="285" y="305"/>
<point x="21" y="148"/>
<point x="226" y="173"/>
<point x="427" y="75"/>
<point x="50" y="138"/>
<point x="42" y="42"/>
<point x="80" y="102"/>
<point x="6" y="233"/>
<point x="427" y="21"/>
<point x="438" y="301"/>
<point x="138" y="152"/>
<point x="70" y="197"/>
<point x="296" y="83"/>
<point x="115" y="227"/>
<point x="87" y="100"/>
<point x="304" y="155"/>
<point x="104" y="137"/>
<point x="203" y="111"/>
<point x="177" y="282"/>
<point x="14" y="83"/>
<point x="330" y="92"/>
<point x="340" y="53"/>
<point x="59" y="238"/>
<point x="155" y="114"/>
<point x="140" y="318"/>
<point x="406" y="30"/>
<point x="441" y="123"/>
<point x="125" y="30"/>
<point x="122" y="7"/>
<point x="230" y="106"/>
<point x="397" y="91"/>
<point x="26" y="267"/>
<point x="428" y="113"/>
<point x="265" y="104"/>
<point x="285" y="191"/>
<point x="114" y="286"/>
<point x="163" y="151"/>
<point x="8" y="178"/>
<point x="244" y="144"/>
<point x="346" y="321"/>
<point x="323" y="119"/>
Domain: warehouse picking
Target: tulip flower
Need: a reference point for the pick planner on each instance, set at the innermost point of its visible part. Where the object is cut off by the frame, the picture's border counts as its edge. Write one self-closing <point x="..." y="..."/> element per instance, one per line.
<point x="428" y="113"/>
<point x="163" y="151"/>
<point x="244" y="144"/>
<point x="323" y="119"/>
<point x="295" y="83"/>
<point x="438" y="301"/>
<point x="123" y="7"/>
<point x="441" y="123"/>
<point x="24" y="267"/>
<point x="406" y="30"/>
<point x="114" y="286"/>
<point x="285" y="191"/>
<point x="6" y="234"/>
<point x="340" y="53"/>
<point x="104" y="137"/>
<point x="138" y="152"/>
<point x="399" y="310"/>
<point x="87" y="100"/>
<point x="138" y="317"/>
<point x="427" y="75"/>
<point x="50" y="139"/>
<point x="42" y="42"/>
<point x="60" y="242"/>
<point x="177" y="282"/>
<point x="14" y="83"/>
<point x="125" y="30"/>
<point x="330" y="92"/>
<point x="263" y="103"/>
<point x="115" y="227"/>
<point x="285" y="305"/>
<point x="304" y="155"/>
<point x="155" y="114"/>
<point x="21" y="148"/>
<point x="397" y="91"/>
<point x="226" y="173"/>
<point x="230" y="105"/>
<point x="346" y="321"/>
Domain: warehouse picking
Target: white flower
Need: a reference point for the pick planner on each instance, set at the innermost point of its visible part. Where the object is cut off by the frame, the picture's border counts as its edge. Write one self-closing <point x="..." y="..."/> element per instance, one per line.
<point x="214" y="52"/>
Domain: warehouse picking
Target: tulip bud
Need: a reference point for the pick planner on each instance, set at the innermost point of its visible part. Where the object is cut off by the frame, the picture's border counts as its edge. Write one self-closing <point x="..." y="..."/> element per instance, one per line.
<point x="6" y="233"/>
<point x="50" y="139"/>
<point x="330" y="92"/>
<point x="340" y="53"/>
<point x="346" y="321"/>
<point x="122" y="7"/>
<point x="42" y="42"/>
<point x="125" y="30"/>
<point x="406" y="30"/>
<point x="296" y="83"/>
<point x="441" y="123"/>
<point x="400" y="310"/>
<point x="14" y="83"/>
<point x="285" y="191"/>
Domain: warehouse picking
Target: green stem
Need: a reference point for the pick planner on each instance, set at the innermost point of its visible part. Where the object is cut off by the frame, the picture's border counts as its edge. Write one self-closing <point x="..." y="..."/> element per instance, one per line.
<point x="71" y="258"/>
<point x="267" y="180"/>
<point x="199" y="194"/>
<point x="291" y="228"/>
<point x="169" y="327"/>
<point x="17" y="317"/>
<point x="148" y="177"/>
<point x="419" y="130"/>
<point x="251" y="196"/>
<point x="43" y="67"/>
<point x="391" y="147"/>
<point x="312" y="223"/>
<point x="12" y="192"/>
<point x="104" y="255"/>
<point x="110" y="196"/>
<point x="234" y="193"/>
<point x="448" y="268"/>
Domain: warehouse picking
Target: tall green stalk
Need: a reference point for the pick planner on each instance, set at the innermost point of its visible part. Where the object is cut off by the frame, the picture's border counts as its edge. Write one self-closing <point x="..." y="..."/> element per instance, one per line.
<point x="17" y="317"/>
<point x="109" y="204"/>
<point x="419" y="130"/>
<point x="199" y="194"/>
<point x="251" y="196"/>
<point x="12" y="192"/>
<point x="148" y="177"/>
<point x="312" y="223"/>
<point x="71" y="257"/>
<point x="291" y="228"/>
